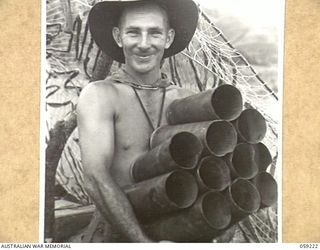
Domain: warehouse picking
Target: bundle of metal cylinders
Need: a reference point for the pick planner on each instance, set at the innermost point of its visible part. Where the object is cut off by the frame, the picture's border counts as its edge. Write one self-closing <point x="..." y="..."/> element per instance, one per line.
<point x="206" y="169"/>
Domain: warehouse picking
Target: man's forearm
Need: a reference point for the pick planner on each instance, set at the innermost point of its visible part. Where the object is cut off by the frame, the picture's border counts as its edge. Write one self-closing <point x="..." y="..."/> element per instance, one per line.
<point x="114" y="205"/>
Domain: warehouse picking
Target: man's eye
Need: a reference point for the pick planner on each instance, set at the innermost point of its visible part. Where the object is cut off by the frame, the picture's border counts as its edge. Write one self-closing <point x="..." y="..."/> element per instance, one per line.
<point x="156" y="33"/>
<point x="132" y="32"/>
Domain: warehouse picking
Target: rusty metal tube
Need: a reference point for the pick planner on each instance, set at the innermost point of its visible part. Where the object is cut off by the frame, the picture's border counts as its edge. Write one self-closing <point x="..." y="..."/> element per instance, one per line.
<point x="267" y="187"/>
<point x="242" y="162"/>
<point x="262" y="157"/>
<point x="217" y="137"/>
<point x="212" y="174"/>
<point x="221" y="103"/>
<point x="209" y="214"/>
<point x="251" y="126"/>
<point x="244" y="198"/>
<point x="180" y="151"/>
<point x="175" y="190"/>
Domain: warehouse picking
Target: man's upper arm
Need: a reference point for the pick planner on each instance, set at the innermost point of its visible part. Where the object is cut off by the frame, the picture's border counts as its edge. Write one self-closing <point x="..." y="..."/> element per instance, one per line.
<point x="96" y="128"/>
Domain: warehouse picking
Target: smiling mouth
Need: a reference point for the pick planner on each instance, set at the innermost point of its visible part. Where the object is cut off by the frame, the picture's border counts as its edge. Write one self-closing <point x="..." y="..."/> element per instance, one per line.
<point x="144" y="57"/>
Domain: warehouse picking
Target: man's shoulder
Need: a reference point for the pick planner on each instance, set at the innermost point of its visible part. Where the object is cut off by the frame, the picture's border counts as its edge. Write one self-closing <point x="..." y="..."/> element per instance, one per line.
<point x="106" y="84"/>
<point x="102" y="88"/>
<point x="97" y="96"/>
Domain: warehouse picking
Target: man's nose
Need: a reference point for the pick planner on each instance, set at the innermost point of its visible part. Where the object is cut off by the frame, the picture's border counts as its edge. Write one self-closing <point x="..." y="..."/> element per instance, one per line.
<point x="144" y="42"/>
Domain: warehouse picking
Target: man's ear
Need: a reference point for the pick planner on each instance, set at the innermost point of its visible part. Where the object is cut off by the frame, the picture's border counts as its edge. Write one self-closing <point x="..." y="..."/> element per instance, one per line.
<point x="170" y="38"/>
<point x="116" y="36"/>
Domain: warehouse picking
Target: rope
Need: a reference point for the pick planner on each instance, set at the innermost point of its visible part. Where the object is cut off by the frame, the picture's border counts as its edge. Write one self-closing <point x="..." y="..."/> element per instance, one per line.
<point x="146" y="112"/>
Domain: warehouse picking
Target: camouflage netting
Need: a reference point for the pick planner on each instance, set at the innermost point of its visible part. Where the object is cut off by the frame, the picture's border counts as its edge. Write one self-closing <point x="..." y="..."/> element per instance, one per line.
<point x="210" y="60"/>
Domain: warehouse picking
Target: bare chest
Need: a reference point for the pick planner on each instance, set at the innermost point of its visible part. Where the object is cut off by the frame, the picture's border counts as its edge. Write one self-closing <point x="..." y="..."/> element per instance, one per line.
<point x="139" y="113"/>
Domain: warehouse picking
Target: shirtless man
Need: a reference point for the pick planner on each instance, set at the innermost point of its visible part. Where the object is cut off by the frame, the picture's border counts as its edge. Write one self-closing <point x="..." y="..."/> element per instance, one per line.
<point x="116" y="116"/>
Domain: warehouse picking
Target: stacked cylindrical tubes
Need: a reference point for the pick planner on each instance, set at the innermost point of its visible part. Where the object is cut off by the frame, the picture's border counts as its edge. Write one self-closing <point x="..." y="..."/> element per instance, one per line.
<point x="206" y="169"/>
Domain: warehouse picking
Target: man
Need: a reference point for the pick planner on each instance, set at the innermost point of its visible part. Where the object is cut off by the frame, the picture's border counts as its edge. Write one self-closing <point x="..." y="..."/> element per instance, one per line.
<point x="116" y="116"/>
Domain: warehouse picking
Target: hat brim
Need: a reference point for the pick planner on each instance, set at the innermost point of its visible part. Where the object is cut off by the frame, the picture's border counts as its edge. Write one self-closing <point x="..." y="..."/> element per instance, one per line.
<point x="183" y="15"/>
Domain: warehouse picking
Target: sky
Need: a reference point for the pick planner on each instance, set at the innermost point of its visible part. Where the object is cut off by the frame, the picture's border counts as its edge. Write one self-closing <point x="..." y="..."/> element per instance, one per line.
<point x="257" y="13"/>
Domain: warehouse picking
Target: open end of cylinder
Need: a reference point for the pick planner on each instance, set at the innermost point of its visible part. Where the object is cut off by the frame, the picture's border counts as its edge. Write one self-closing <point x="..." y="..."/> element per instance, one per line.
<point x="252" y="126"/>
<point x="245" y="196"/>
<point x="227" y="102"/>
<point x="243" y="161"/>
<point x="181" y="189"/>
<point x="267" y="187"/>
<point x="216" y="210"/>
<point x="221" y="138"/>
<point x="262" y="157"/>
<point x="214" y="173"/>
<point x="185" y="149"/>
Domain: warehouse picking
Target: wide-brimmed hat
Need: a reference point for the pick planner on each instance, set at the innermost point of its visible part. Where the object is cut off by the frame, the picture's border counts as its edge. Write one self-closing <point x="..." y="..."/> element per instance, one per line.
<point x="183" y="16"/>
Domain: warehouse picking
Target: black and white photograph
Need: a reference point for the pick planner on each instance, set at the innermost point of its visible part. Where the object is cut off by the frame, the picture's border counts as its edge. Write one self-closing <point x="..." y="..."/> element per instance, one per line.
<point x="162" y="121"/>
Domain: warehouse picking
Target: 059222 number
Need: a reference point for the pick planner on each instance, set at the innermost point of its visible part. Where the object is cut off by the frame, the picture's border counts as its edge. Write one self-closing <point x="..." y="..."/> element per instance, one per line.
<point x="309" y="245"/>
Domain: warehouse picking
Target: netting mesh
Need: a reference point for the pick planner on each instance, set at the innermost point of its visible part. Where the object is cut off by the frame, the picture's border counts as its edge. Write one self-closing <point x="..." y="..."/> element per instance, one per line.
<point x="209" y="61"/>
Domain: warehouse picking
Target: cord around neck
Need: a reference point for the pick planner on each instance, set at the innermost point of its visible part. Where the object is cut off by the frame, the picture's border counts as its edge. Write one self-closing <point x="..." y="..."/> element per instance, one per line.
<point x="146" y="112"/>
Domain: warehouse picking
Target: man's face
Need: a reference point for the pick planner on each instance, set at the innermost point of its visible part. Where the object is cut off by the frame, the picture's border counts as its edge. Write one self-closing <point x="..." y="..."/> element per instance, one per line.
<point x="143" y="34"/>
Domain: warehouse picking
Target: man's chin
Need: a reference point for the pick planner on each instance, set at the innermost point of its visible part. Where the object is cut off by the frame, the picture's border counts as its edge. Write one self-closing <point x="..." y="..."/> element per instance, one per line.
<point x="143" y="69"/>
